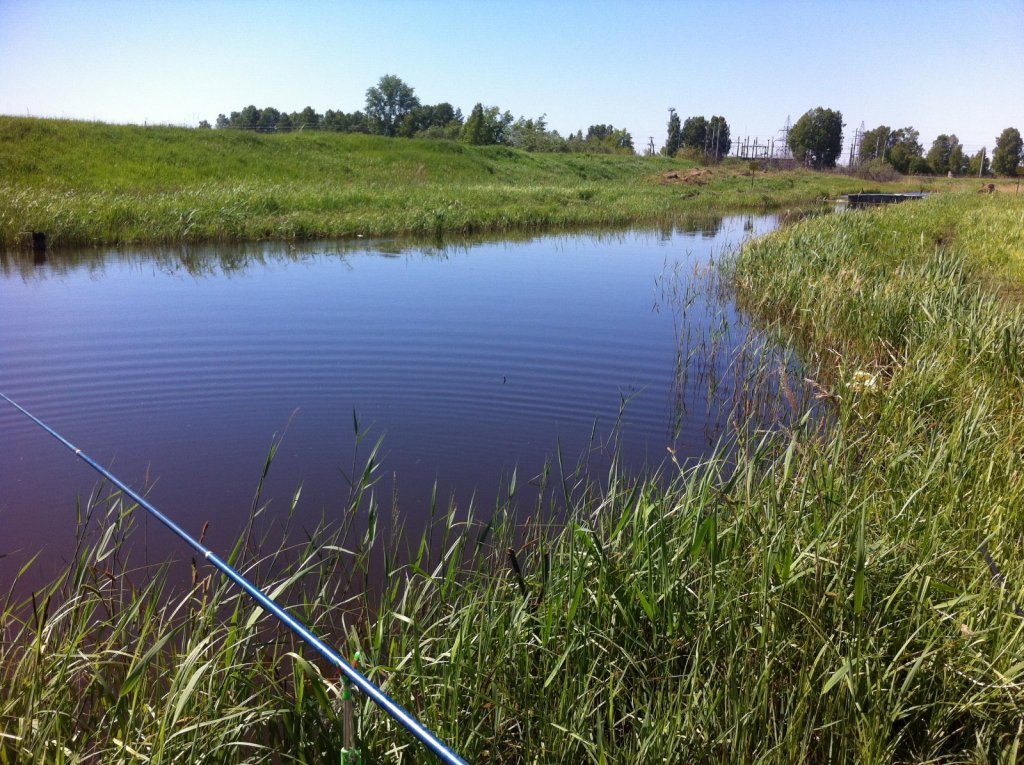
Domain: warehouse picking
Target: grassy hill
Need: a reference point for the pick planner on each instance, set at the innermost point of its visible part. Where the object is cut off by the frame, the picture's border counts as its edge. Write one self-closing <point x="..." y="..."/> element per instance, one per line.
<point x="92" y="183"/>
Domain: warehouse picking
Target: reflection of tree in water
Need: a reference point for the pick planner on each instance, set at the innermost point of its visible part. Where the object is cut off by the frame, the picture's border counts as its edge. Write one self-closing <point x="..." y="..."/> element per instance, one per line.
<point x="194" y="260"/>
<point x="199" y="260"/>
<point x="232" y="258"/>
<point x="707" y="225"/>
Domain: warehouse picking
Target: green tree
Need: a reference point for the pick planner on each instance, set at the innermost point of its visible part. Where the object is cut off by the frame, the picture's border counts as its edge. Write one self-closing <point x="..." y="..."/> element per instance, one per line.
<point x="817" y="137"/>
<point x="958" y="161"/>
<point x="498" y="125"/>
<point x="267" y="123"/>
<point x="979" y="164"/>
<point x="906" y="153"/>
<point x="623" y="141"/>
<point x="719" y="141"/>
<point x="421" y="119"/>
<point x="307" y="119"/>
<point x="1009" y="152"/>
<point x="695" y="133"/>
<point x="533" y="135"/>
<point x="341" y="122"/>
<point x="601" y="139"/>
<point x="387" y="103"/>
<point x="247" y="119"/>
<point x="675" y="134"/>
<point x="473" y="132"/>
<point x="919" y="166"/>
<point x="876" y="143"/>
<point x="487" y="125"/>
<point x="946" y="155"/>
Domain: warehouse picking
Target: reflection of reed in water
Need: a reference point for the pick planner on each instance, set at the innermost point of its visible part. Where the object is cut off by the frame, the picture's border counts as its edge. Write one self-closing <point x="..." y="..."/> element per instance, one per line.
<point x="727" y="374"/>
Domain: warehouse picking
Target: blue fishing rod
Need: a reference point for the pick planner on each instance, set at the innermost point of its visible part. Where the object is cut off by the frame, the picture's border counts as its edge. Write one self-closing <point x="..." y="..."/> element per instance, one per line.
<point x="381" y="699"/>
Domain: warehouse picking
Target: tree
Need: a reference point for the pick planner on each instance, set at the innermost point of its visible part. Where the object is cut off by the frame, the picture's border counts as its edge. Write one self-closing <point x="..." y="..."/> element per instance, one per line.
<point x="707" y="137"/>
<point x="817" y="137"/>
<point x="488" y="125"/>
<point x="919" y="166"/>
<point x="958" y="161"/>
<point x="599" y="133"/>
<point x="204" y="125"/>
<point x="675" y="134"/>
<point x="876" y="143"/>
<point x="388" y="102"/>
<point x="498" y="124"/>
<point x="307" y="119"/>
<point x="1009" y="152"/>
<point x="603" y="139"/>
<point x="946" y="155"/>
<point x="247" y="119"/>
<point x="719" y="143"/>
<point x="473" y="130"/>
<point x="222" y="122"/>
<point x="979" y="164"/>
<point x="267" y="123"/>
<point x="695" y="132"/>
<point x="533" y="135"/>
<point x="906" y="153"/>
<point x="422" y="118"/>
<point x="341" y="122"/>
<point x="620" y="141"/>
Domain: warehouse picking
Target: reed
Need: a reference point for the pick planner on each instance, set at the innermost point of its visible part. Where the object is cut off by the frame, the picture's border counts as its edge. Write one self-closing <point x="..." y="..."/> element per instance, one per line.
<point x="821" y="590"/>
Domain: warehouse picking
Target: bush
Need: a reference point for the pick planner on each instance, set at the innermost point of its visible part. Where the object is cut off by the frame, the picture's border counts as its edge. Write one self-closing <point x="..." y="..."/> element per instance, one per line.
<point x="877" y="170"/>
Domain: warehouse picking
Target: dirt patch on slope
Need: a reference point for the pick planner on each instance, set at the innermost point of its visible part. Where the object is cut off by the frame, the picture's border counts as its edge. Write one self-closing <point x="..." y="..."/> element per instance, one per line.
<point x="696" y="176"/>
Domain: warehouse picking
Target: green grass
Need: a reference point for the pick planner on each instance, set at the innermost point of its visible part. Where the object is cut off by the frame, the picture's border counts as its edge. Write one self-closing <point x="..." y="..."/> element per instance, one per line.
<point x="91" y="183"/>
<point x="812" y="593"/>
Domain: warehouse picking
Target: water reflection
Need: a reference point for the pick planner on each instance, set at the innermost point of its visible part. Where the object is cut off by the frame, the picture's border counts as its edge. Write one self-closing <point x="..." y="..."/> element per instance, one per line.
<point x="212" y="259"/>
<point x="473" y="359"/>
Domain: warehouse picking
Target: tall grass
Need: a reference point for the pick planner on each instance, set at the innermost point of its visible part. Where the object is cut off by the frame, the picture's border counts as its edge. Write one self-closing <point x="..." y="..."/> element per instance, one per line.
<point x="807" y="594"/>
<point x="95" y="184"/>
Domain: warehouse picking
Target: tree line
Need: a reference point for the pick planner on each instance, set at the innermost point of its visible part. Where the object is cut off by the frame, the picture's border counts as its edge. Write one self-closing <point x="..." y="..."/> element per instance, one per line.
<point x="817" y="140"/>
<point x="697" y="137"/>
<point x="393" y="109"/>
<point x="902" y="150"/>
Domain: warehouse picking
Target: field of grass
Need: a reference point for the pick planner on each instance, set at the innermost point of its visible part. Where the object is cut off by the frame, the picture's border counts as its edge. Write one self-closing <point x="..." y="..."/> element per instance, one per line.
<point x="91" y="183"/>
<point x="844" y="590"/>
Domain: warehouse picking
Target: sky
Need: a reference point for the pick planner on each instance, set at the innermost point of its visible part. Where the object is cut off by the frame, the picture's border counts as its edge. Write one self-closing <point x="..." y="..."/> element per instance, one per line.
<point x="941" y="66"/>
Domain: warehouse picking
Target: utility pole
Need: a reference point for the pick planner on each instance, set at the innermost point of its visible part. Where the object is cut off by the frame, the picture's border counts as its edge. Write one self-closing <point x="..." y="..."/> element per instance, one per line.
<point x="855" y="145"/>
<point x="785" y="138"/>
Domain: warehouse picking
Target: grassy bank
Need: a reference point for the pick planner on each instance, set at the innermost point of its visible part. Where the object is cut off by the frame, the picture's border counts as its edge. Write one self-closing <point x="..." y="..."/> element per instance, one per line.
<point x="839" y="594"/>
<point x="90" y="183"/>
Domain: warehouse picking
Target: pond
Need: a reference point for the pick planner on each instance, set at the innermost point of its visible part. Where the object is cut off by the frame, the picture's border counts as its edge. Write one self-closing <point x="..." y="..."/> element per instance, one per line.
<point x="176" y="368"/>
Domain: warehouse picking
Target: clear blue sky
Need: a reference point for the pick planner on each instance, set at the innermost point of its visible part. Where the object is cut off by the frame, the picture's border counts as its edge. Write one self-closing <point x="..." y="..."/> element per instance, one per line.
<point x="942" y="66"/>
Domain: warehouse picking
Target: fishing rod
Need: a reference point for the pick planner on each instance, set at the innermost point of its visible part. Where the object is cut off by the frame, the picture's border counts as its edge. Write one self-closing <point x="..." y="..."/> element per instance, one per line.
<point x="381" y="699"/>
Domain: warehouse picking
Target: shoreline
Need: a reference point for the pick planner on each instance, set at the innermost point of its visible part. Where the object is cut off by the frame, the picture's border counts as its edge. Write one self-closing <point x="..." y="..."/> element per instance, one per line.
<point x="90" y="184"/>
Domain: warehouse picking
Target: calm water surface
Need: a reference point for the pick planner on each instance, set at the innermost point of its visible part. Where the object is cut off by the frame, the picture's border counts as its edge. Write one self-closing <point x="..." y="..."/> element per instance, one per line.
<point x="176" y="369"/>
